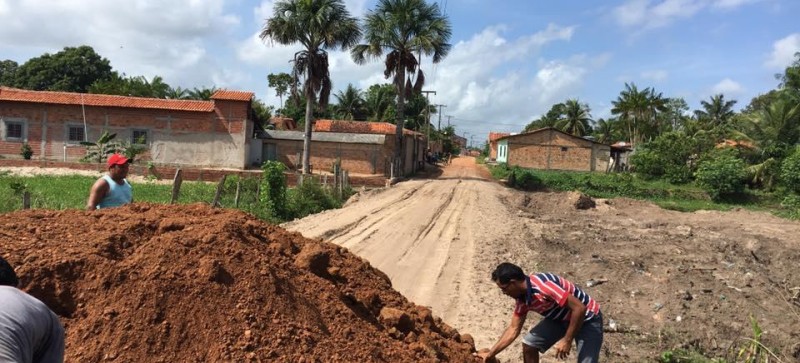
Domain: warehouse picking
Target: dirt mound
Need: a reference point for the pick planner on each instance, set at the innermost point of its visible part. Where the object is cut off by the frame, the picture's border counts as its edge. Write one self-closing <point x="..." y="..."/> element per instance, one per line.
<point x="193" y="284"/>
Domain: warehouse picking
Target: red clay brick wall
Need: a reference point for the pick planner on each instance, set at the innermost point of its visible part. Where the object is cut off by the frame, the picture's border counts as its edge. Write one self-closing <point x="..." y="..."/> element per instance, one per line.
<point x="356" y="158"/>
<point x="550" y="150"/>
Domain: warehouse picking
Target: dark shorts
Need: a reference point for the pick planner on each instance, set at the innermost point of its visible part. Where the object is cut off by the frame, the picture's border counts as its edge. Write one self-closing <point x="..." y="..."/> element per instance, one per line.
<point x="587" y="342"/>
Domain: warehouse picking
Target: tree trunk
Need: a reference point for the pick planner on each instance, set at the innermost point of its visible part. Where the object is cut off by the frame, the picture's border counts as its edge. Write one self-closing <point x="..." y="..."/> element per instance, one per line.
<point x="400" y="119"/>
<point x="307" y="134"/>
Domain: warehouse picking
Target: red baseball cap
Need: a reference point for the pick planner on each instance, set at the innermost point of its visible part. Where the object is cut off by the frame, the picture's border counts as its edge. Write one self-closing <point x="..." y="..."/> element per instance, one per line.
<point x="117" y="159"/>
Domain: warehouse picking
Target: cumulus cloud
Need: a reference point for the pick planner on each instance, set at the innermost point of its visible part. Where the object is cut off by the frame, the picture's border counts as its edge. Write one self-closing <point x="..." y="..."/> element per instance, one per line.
<point x="139" y="37"/>
<point x="727" y="87"/>
<point x="655" y="14"/>
<point x="783" y="51"/>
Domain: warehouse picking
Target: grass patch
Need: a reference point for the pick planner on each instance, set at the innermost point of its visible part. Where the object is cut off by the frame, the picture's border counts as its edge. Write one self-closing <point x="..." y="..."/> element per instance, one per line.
<point x="682" y="197"/>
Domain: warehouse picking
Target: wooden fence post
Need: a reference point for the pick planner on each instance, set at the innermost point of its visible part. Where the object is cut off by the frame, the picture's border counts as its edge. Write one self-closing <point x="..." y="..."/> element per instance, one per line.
<point x="176" y="186"/>
<point x="26" y="200"/>
<point x="238" y="190"/>
<point x="217" y="195"/>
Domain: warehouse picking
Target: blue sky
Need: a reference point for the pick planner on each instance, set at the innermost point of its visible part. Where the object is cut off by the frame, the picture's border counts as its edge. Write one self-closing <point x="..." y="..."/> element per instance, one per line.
<point x="511" y="59"/>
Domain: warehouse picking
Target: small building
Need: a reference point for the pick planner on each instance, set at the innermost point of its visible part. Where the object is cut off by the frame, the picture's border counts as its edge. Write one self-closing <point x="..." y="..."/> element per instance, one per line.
<point x="552" y="149"/>
<point x="189" y="133"/>
<point x="361" y="147"/>
<point x="493" y="136"/>
<point x="620" y="151"/>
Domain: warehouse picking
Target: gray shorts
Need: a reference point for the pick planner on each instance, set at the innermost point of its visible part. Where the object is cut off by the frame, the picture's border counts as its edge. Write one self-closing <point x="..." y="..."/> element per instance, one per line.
<point x="587" y="342"/>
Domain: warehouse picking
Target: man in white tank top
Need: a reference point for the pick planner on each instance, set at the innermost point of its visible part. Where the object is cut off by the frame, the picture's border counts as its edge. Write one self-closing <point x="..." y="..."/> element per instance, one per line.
<point x="112" y="190"/>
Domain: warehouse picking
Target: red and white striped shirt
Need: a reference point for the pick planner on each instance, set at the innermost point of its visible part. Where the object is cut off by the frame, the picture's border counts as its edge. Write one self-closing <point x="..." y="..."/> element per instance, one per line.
<point x="547" y="295"/>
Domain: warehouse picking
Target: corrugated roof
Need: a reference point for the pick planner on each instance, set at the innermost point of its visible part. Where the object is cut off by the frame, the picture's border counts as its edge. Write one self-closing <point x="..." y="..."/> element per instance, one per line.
<point x="88" y="99"/>
<point x="358" y="127"/>
<point x="230" y="95"/>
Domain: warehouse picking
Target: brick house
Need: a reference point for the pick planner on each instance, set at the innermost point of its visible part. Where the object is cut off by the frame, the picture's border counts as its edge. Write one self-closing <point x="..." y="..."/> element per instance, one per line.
<point x="213" y="134"/>
<point x="493" y="136"/>
<point x="552" y="149"/>
<point x="362" y="147"/>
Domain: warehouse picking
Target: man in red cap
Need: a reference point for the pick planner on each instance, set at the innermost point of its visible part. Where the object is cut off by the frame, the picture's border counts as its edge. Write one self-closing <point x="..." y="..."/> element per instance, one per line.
<point x="112" y="190"/>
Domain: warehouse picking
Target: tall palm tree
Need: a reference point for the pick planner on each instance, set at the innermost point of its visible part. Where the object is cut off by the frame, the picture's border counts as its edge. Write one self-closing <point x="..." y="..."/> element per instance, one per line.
<point x="717" y="112"/>
<point x="318" y="25"/>
<point x="350" y="103"/>
<point x="405" y="30"/>
<point x="633" y="107"/>
<point x="576" y="118"/>
<point x="203" y="94"/>
<point x="177" y="93"/>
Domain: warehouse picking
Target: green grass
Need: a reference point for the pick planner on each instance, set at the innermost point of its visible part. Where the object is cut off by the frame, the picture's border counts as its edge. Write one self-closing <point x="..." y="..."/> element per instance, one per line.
<point x="684" y="197"/>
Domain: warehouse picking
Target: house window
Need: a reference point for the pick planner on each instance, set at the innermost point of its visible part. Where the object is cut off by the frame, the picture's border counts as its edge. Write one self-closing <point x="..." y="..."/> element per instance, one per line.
<point x="139" y="137"/>
<point x="14" y="130"/>
<point x="75" y="134"/>
<point x="564" y="149"/>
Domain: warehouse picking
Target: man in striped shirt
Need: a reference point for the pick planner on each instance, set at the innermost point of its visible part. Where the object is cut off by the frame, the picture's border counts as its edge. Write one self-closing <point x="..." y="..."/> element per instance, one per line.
<point x="569" y="314"/>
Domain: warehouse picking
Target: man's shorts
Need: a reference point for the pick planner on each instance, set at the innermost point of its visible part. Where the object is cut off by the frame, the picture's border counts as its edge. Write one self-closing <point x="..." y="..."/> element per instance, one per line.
<point x="587" y="342"/>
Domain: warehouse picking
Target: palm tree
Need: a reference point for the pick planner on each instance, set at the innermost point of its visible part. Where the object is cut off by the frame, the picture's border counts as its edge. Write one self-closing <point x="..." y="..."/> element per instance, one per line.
<point x="203" y="94"/>
<point x="318" y="25"/>
<point x="350" y="103"/>
<point x="575" y="119"/>
<point x="633" y="107"/>
<point x="379" y="102"/>
<point x="717" y="112"/>
<point x="405" y="30"/>
<point x="176" y="93"/>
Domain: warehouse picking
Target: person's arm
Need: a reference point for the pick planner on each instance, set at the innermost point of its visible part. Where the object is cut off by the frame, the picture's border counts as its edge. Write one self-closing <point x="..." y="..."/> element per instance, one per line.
<point x="576" y="317"/>
<point x="509" y="335"/>
<point x="98" y="192"/>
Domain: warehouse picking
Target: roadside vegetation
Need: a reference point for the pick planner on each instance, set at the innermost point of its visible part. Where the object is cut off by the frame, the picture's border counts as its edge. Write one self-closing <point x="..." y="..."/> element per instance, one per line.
<point x="267" y="197"/>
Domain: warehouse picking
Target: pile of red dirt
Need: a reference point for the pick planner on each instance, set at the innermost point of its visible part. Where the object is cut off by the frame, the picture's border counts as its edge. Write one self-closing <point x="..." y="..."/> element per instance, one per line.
<point x="194" y="284"/>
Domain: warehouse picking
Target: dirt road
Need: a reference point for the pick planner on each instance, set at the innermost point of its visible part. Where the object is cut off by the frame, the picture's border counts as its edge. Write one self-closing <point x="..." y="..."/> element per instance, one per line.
<point x="668" y="279"/>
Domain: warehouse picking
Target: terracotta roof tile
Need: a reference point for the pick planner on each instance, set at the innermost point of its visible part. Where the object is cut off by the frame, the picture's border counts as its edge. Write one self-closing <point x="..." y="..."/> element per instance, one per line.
<point x="88" y="99"/>
<point x="496" y="135"/>
<point x="230" y="95"/>
<point x="358" y="127"/>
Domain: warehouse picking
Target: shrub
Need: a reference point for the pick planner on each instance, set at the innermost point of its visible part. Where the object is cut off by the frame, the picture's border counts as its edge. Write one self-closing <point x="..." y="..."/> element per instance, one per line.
<point x="524" y="179"/>
<point x="26" y="151"/>
<point x="273" y="188"/>
<point x="665" y="157"/>
<point x="721" y="174"/>
<point x="790" y="171"/>
<point x="311" y="197"/>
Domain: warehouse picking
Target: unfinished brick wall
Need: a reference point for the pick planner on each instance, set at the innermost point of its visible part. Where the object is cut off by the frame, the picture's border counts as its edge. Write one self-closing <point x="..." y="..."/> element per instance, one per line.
<point x="355" y="158"/>
<point x="553" y="150"/>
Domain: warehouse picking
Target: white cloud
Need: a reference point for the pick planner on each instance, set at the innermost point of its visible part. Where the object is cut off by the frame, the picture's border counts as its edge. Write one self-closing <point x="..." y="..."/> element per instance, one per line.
<point x="727" y="87"/>
<point x="657" y="75"/>
<point x="783" y="51"/>
<point x="651" y="14"/>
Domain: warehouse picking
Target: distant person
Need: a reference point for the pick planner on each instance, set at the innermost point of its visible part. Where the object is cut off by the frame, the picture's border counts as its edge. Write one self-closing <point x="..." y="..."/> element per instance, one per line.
<point x="112" y="190"/>
<point x="29" y="331"/>
<point x="569" y="314"/>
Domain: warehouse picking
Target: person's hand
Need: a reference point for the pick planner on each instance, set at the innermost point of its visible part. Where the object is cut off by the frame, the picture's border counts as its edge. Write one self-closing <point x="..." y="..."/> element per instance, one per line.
<point x="483" y="354"/>
<point x="562" y="348"/>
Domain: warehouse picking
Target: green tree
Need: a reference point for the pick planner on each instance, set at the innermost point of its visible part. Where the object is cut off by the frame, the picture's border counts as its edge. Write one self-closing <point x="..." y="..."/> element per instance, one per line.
<point x="637" y="109"/>
<point x="675" y="115"/>
<point x="721" y="174"/>
<point x="550" y="119"/>
<point x="201" y="94"/>
<point x="667" y="156"/>
<point x="282" y="83"/>
<point x="791" y="77"/>
<point x="379" y="102"/>
<point x="318" y="25"/>
<point x="716" y="113"/>
<point x="404" y="29"/>
<point x="576" y="118"/>
<point x="8" y="72"/>
<point x="132" y="86"/>
<point x="349" y="104"/>
<point x="70" y="70"/>
<point x="607" y="131"/>
<point x="177" y="93"/>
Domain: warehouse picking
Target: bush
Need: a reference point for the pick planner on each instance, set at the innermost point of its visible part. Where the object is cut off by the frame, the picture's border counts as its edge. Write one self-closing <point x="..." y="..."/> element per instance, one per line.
<point x="311" y="197"/>
<point x="722" y="174"/>
<point x="26" y="151"/>
<point x="665" y="157"/>
<point x="524" y="179"/>
<point x="790" y="171"/>
<point x="273" y="189"/>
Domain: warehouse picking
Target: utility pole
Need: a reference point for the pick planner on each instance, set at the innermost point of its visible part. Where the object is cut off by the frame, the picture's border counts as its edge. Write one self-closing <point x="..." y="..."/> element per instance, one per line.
<point x="440" y="117"/>
<point x="428" y="117"/>
<point x="448" y="120"/>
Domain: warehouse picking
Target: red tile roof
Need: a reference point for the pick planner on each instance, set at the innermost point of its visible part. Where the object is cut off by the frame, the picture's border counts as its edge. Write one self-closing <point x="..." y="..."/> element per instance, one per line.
<point x="496" y="135"/>
<point x="230" y="95"/>
<point x="358" y="127"/>
<point x="87" y="99"/>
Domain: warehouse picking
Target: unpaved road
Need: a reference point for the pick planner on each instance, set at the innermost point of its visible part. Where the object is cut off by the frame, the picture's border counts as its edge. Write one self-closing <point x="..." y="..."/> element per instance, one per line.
<point x="670" y="279"/>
